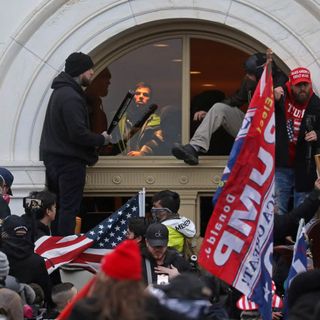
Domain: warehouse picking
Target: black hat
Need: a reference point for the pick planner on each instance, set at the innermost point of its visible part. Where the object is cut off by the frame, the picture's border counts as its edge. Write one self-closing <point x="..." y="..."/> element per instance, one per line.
<point x="14" y="226"/>
<point x="7" y="177"/>
<point x="255" y="63"/>
<point x="157" y="235"/>
<point x="77" y="63"/>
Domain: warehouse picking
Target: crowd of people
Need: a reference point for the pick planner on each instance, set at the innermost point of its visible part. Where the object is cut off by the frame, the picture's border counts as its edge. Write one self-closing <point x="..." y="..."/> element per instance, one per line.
<point x="153" y="274"/>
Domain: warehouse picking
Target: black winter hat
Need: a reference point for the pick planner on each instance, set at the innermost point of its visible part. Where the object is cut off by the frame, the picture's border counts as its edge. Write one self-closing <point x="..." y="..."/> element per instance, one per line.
<point x="255" y="63"/>
<point x="14" y="226"/>
<point x="77" y="63"/>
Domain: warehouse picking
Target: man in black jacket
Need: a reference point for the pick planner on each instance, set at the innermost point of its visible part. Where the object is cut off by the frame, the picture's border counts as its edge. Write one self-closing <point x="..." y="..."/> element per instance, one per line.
<point x="161" y="264"/>
<point x="227" y="114"/>
<point x="297" y="117"/>
<point x="67" y="144"/>
<point x="25" y="265"/>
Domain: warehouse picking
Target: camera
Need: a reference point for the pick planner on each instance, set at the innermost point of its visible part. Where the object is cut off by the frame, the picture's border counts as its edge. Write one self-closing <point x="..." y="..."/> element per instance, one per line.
<point x="162" y="279"/>
<point x="31" y="203"/>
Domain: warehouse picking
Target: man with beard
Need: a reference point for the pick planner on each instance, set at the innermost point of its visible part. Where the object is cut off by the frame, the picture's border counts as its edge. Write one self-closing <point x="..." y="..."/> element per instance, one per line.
<point x="297" y="140"/>
<point x="134" y="114"/>
<point x="67" y="144"/>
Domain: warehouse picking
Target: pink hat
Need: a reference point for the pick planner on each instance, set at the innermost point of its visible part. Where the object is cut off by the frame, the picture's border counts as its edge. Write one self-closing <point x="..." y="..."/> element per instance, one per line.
<point x="298" y="75"/>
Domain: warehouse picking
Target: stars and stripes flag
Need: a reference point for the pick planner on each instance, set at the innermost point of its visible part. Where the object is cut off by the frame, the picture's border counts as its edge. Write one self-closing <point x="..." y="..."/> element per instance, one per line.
<point x="245" y="304"/>
<point x="238" y="241"/>
<point x="86" y="250"/>
<point x="299" y="259"/>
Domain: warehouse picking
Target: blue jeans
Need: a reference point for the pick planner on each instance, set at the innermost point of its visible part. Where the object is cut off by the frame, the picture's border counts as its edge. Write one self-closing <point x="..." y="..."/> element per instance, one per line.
<point x="285" y="189"/>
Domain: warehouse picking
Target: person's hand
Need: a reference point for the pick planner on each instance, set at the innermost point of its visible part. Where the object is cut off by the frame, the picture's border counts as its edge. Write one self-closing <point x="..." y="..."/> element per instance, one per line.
<point x="171" y="272"/>
<point x="199" y="115"/>
<point x="317" y="184"/>
<point x="278" y="93"/>
<point x="134" y="154"/>
<point x="276" y="315"/>
<point x="311" y="136"/>
<point x="107" y="137"/>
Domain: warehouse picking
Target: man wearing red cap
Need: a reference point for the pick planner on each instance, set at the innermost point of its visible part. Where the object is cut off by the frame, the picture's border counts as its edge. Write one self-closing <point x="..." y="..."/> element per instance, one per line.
<point x="67" y="144"/>
<point x="297" y="139"/>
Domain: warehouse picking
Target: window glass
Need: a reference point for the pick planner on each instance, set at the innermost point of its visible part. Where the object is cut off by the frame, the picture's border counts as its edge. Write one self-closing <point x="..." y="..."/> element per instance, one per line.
<point x="154" y="73"/>
<point x="216" y="71"/>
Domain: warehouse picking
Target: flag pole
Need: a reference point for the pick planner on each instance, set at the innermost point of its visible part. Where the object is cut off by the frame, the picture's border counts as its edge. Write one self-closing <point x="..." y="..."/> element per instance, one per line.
<point x="269" y="60"/>
<point x="142" y="203"/>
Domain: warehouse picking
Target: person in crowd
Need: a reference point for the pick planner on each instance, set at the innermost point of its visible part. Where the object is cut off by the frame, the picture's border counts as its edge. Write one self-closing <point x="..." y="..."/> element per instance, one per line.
<point x="161" y="264"/>
<point x="166" y="204"/>
<point x="67" y="145"/>
<point x="303" y="295"/>
<point x="117" y="292"/>
<point x="39" y="218"/>
<point x="14" y="296"/>
<point x="38" y="305"/>
<point x="221" y="142"/>
<point x="189" y="295"/>
<point x="11" y="307"/>
<point x="162" y="140"/>
<point x="137" y="228"/>
<point x="297" y="116"/>
<point x="61" y="295"/>
<point x="6" y="180"/>
<point x="228" y="113"/>
<point x="97" y="89"/>
<point x="25" y="265"/>
<point x="134" y="114"/>
<point x="286" y="225"/>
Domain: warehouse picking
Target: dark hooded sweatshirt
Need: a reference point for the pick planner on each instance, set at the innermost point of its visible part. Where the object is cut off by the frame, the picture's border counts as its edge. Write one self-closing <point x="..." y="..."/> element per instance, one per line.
<point x="66" y="130"/>
<point x="25" y="265"/>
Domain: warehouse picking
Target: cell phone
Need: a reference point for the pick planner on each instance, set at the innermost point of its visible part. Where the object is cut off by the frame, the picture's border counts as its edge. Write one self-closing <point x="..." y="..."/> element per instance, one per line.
<point x="30" y="203"/>
<point x="162" y="279"/>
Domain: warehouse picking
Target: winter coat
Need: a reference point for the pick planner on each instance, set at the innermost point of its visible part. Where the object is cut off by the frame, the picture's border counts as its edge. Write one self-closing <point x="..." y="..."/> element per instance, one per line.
<point x="25" y="265"/>
<point x="66" y="130"/>
<point x="172" y="257"/>
<point x="287" y="224"/>
<point x="304" y="177"/>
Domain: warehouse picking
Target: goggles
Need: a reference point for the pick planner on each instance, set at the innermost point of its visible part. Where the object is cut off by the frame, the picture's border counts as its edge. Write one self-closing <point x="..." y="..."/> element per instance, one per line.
<point x="154" y="210"/>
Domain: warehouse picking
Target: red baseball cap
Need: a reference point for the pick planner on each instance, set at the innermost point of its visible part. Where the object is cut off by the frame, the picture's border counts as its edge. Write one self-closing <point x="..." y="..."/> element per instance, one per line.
<point x="298" y="75"/>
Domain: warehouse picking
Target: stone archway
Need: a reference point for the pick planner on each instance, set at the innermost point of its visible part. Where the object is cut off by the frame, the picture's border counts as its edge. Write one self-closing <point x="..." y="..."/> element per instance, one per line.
<point x="36" y="52"/>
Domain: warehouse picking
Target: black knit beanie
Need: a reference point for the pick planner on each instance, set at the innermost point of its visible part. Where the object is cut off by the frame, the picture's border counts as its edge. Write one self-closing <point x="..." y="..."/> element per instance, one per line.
<point x="77" y="63"/>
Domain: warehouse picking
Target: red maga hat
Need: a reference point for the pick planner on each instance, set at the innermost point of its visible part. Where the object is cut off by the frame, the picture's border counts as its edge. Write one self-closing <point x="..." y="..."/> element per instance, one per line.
<point x="298" y="75"/>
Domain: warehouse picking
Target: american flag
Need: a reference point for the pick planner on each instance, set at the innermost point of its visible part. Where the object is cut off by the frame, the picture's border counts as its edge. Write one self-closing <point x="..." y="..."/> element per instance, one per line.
<point x="87" y="250"/>
<point x="299" y="259"/>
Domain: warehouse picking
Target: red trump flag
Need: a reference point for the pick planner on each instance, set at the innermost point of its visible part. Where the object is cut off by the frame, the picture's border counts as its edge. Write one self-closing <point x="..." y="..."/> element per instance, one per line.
<point x="237" y="246"/>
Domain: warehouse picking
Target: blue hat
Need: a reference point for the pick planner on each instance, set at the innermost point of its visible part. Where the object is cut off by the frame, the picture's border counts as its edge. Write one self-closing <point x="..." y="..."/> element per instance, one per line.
<point x="7" y="177"/>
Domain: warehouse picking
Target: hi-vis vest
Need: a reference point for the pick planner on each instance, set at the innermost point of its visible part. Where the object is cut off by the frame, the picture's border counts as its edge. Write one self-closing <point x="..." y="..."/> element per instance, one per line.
<point x="179" y="229"/>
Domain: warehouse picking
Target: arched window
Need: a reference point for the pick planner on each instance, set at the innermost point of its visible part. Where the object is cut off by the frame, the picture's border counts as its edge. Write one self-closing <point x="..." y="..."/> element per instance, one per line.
<point x="181" y="74"/>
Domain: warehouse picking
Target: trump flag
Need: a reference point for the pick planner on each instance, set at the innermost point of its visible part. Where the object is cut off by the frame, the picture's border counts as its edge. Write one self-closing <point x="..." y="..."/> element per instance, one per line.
<point x="238" y="246"/>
